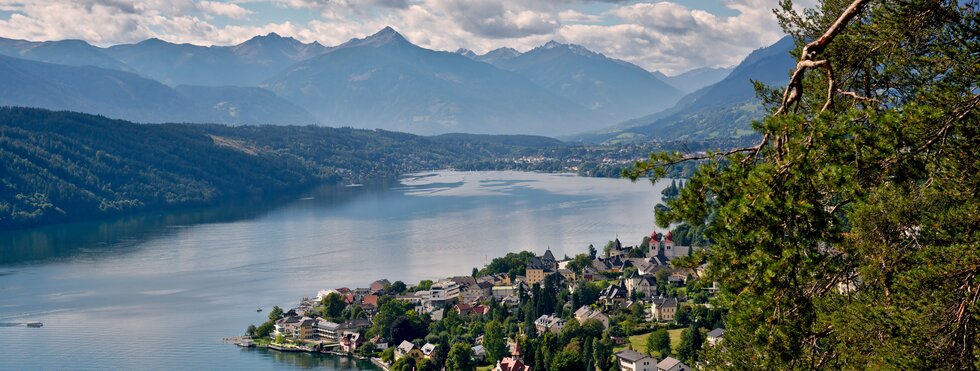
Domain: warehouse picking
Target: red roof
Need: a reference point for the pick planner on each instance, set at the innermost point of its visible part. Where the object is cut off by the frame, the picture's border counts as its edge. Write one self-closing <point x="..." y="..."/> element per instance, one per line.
<point x="669" y="236"/>
<point x="513" y="364"/>
<point x="655" y="237"/>
<point x="370" y="299"/>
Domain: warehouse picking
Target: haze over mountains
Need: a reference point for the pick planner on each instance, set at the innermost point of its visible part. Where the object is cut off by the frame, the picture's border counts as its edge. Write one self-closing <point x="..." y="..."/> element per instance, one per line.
<point x="721" y="110"/>
<point x="612" y="89"/>
<point x="381" y="81"/>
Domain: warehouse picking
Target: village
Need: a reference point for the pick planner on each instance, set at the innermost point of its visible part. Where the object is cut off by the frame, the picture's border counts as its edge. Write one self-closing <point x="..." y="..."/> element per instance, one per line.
<point x="638" y="308"/>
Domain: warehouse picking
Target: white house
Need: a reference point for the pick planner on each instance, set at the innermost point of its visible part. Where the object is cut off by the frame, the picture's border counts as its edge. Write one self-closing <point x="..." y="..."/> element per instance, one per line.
<point x="631" y="360"/>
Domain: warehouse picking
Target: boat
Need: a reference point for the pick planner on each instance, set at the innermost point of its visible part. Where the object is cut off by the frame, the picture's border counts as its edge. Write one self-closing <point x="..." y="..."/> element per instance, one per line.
<point x="34" y="324"/>
<point x="258" y="310"/>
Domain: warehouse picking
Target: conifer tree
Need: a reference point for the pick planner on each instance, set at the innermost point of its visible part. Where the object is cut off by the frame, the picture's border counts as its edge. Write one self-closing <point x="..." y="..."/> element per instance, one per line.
<point x="847" y="237"/>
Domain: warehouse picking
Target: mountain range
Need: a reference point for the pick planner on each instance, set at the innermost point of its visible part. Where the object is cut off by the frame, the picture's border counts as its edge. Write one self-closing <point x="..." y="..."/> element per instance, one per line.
<point x="724" y="109"/>
<point x="385" y="81"/>
<point x="612" y="89"/>
<point x="380" y="81"/>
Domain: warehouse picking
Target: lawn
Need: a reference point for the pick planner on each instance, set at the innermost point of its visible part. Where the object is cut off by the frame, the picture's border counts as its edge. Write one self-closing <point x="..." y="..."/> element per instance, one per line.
<point x="639" y="342"/>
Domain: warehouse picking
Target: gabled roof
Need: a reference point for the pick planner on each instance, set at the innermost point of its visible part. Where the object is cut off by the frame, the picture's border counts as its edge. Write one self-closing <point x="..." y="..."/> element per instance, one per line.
<point x="631" y="356"/>
<point x="479" y="350"/>
<point x="669" y="362"/>
<point x="716" y="333"/>
<point x="464" y="280"/>
<point x="614" y="291"/>
<point x="512" y="364"/>
<point x="665" y="302"/>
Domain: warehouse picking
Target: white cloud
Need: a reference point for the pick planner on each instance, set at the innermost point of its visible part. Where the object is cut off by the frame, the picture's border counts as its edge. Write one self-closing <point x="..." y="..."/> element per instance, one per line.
<point x="657" y="35"/>
<point x="224" y="9"/>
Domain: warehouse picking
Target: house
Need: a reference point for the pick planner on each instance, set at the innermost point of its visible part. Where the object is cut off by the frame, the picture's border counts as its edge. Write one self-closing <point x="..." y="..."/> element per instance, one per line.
<point x="614" y="295"/>
<point x="511" y="364"/>
<point x="618" y="249"/>
<point x="539" y="267"/>
<point x="677" y="279"/>
<point x="549" y="323"/>
<point x="406" y="348"/>
<point x="589" y="273"/>
<point x="428" y="350"/>
<point x="586" y="313"/>
<point x="499" y="279"/>
<point x="295" y="327"/>
<point x="640" y="284"/>
<point x="466" y="309"/>
<point x="663" y="309"/>
<point x="464" y="281"/>
<point x="479" y="352"/>
<point x="284" y="326"/>
<point x="370" y="299"/>
<point x="610" y="264"/>
<point x="503" y="291"/>
<point x="379" y="285"/>
<point x="350" y="341"/>
<point x="476" y="292"/>
<point x="714" y="336"/>
<point x="327" y="330"/>
<point x="442" y="293"/>
<point x="379" y="343"/>
<point x="305" y="329"/>
<point x="568" y="274"/>
<point x="672" y="364"/>
<point x="631" y="360"/>
<point x="331" y="331"/>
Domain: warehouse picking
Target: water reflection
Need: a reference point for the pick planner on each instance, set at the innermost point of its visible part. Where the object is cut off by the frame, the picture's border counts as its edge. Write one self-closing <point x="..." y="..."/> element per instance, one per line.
<point x="307" y="360"/>
<point x="120" y="235"/>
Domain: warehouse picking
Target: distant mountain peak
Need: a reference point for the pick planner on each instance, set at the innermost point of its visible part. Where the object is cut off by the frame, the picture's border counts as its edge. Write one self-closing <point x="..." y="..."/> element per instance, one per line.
<point x="504" y="50"/>
<point x="270" y="37"/>
<point x="466" y="53"/>
<point x="153" y="40"/>
<point x="574" y="48"/>
<point x="386" y="36"/>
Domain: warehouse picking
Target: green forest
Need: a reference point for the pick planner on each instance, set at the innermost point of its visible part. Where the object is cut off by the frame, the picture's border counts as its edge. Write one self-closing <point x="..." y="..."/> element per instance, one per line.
<point x="63" y="166"/>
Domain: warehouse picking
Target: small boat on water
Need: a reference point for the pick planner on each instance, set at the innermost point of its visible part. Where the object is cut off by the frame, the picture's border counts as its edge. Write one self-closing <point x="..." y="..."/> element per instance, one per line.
<point x="258" y="310"/>
<point x="34" y="324"/>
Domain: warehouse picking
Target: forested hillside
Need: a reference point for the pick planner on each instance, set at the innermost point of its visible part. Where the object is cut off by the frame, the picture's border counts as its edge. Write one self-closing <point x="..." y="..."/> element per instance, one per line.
<point x="62" y="166"/>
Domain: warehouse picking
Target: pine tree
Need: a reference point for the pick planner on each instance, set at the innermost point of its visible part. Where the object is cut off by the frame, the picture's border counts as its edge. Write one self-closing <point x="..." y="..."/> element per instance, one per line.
<point x="847" y="236"/>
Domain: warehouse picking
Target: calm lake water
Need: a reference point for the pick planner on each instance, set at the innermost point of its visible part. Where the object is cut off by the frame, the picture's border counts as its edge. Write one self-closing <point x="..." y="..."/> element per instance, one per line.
<point x="159" y="291"/>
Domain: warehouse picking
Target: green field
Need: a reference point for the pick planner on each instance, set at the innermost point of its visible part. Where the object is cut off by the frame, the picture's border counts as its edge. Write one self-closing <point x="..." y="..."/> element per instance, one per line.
<point x="639" y="342"/>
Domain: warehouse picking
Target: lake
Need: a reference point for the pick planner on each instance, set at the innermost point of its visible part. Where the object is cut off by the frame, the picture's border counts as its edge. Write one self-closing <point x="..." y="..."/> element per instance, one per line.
<point x="160" y="290"/>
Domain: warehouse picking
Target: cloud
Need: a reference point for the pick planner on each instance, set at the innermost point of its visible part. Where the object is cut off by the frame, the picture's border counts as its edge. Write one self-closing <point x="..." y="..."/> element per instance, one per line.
<point x="497" y="19"/>
<point x="224" y="9"/>
<point x="657" y="35"/>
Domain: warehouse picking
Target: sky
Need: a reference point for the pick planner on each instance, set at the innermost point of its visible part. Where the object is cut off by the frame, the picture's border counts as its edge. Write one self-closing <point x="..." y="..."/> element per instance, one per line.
<point x="671" y="37"/>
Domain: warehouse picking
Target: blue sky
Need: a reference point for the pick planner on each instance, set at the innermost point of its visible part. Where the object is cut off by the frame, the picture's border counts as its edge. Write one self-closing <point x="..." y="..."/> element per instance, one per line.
<point x="658" y="35"/>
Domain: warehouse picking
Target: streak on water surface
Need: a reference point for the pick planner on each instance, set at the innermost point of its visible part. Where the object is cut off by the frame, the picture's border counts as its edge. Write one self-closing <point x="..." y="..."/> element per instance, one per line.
<point x="159" y="291"/>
